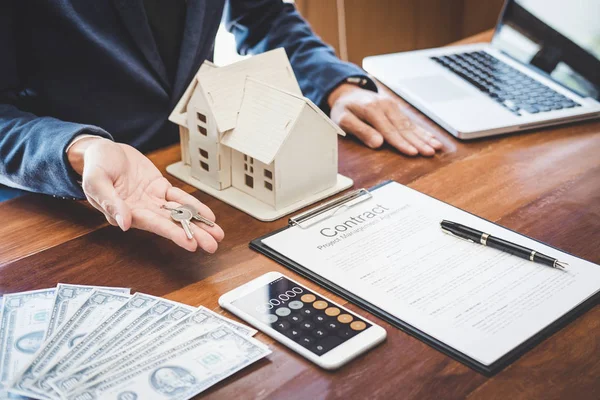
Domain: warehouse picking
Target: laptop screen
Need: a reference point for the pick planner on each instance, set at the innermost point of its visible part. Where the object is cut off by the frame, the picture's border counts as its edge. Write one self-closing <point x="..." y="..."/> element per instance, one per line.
<point x="556" y="37"/>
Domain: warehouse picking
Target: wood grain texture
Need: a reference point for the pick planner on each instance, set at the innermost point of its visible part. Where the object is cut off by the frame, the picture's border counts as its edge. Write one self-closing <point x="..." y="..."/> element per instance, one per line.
<point x="438" y="23"/>
<point x="322" y="16"/>
<point x="479" y="15"/>
<point x="387" y="26"/>
<point x="383" y="26"/>
<point x="545" y="184"/>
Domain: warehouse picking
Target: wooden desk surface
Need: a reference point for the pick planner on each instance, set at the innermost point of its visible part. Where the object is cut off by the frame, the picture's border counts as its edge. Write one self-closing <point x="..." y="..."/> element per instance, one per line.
<point x="544" y="184"/>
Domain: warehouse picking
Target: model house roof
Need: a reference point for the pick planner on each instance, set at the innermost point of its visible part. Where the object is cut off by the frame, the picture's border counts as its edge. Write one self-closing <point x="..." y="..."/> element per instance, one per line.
<point x="224" y="86"/>
<point x="266" y="117"/>
<point x="179" y="113"/>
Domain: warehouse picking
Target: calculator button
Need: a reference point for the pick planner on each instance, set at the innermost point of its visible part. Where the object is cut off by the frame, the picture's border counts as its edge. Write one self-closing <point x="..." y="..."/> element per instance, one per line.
<point x="307" y="311"/>
<point x="270" y="319"/>
<point x="320" y="305"/>
<point x="358" y="325"/>
<point x="332" y="325"/>
<point x="307" y="325"/>
<point x="332" y="311"/>
<point x="282" y="325"/>
<point x="345" y="318"/>
<point x="346" y="333"/>
<point x="320" y="349"/>
<point x="306" y="341"/>
<point x="329" y="342"/>
<point x="308" y="298"/>
<point x="320" y="333"/>
<point x="296" y="305"/>
<point x="283" y="311"/>
<point x="296" y="318"/>
<point x="294" y="333"/>
<point x="320" y="318"/>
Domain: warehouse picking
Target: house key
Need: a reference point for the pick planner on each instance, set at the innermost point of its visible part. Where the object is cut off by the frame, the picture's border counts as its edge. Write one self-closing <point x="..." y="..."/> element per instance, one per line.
<point x="184" y="216"/>
<point x="196" y="215"/>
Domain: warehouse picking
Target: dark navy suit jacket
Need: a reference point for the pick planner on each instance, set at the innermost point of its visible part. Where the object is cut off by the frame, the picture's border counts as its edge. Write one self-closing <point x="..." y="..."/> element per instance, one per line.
<point x="69" y="67"/>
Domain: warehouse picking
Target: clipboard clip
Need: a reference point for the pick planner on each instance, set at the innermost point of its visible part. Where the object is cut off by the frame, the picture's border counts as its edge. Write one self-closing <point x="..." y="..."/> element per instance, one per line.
<point x="330" y="208"/>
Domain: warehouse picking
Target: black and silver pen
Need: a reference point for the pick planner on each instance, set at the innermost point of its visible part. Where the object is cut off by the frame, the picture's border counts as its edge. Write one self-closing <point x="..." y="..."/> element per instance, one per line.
<point x="475" y="236"/>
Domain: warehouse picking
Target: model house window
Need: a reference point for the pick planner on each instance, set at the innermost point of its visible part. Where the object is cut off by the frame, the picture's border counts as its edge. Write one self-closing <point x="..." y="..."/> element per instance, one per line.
<point x="202" y="130"/>
<point x="246" y="167"/>
<point x="203" y="153"/>
<point x="204" y="166"/>
<point x="201" y="117"/>
<point x="249" y="181"/>
<point x="268" y="179"/>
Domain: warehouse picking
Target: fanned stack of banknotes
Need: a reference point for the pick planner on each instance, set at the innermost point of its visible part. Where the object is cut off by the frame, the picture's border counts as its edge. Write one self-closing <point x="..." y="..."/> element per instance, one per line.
<point x="84" y="343"/>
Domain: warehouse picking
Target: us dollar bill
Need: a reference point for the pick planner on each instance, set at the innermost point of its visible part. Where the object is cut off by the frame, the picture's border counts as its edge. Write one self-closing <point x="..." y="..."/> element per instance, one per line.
<point x="98" y="306"/>
<point x="146" y="323"/>
<point x="180" y="372"/>
<point x="202" y="320"/>
<point x="241" y="328"/>
<point x="72" y="378"/>
<point x="125" y="314"/>
<point x="68" y="298"/>
<point x="23" y="320"/>
<point x="173" y="316"/>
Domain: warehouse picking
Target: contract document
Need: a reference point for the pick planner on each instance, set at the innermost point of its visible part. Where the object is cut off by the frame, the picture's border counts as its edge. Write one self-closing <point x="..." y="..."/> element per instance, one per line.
<point x="391" y="252"/>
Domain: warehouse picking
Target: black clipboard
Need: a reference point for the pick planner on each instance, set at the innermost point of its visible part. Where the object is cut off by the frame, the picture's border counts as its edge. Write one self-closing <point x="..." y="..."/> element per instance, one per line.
<point x="487" y="370"/>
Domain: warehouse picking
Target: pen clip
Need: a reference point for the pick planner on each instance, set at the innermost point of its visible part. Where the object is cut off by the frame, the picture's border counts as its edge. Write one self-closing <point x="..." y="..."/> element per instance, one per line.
<point x="456" y="236"/>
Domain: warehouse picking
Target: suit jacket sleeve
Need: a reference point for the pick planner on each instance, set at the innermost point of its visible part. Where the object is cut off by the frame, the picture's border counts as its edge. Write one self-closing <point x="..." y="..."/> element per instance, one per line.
<point x="261" y="25"/>
<point x="32" y="148"/>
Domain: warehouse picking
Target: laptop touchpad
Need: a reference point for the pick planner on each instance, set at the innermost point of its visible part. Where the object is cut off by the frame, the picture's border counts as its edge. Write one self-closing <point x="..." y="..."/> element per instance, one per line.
<point x="434" y="88"/>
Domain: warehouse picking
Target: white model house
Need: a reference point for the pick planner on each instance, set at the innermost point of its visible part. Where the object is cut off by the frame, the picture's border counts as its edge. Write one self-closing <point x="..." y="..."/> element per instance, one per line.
<point x="249" y="138"/>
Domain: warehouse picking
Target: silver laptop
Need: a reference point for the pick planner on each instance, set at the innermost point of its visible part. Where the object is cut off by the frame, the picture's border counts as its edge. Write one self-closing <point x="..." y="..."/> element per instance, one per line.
<point x="542" y="68"/>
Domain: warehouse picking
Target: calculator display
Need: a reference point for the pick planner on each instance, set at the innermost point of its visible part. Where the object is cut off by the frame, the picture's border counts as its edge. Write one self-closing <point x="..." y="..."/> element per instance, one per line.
<point x="302" y="315"/>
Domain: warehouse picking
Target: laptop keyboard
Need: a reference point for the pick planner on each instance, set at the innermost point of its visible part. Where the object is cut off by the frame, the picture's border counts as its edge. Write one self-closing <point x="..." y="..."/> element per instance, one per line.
<point x="511" y="88"/>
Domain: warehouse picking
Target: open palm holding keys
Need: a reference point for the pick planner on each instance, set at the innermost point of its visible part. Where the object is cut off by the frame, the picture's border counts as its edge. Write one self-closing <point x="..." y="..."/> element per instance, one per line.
<point x="185" y="214"/>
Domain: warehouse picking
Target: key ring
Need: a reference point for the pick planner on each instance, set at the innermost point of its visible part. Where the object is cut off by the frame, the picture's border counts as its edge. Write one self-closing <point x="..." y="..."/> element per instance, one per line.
<point x="164" y="207"/>
<point x="192" y="210"/>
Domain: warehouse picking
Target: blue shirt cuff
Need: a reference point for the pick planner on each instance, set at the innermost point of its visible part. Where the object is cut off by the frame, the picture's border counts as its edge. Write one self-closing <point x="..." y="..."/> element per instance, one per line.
<point x="363" y="81"/>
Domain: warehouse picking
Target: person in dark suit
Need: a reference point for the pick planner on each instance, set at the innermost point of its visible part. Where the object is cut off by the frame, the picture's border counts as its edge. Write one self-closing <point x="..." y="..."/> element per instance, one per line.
<point x="87" y="86"/>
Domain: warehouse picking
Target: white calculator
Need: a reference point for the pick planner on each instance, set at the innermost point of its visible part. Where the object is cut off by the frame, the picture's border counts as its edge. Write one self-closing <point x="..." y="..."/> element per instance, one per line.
<point x="313" y="326"/>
